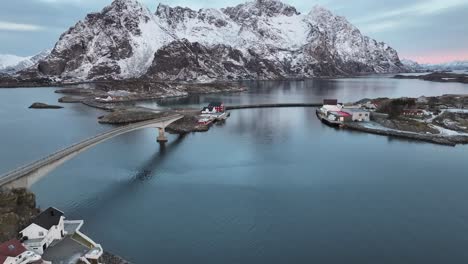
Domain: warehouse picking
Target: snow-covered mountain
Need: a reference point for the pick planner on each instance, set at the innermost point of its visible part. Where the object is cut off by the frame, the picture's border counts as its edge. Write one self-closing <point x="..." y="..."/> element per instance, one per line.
<point x="412" y="66"/>
<point x="13" y="63"/>
<point x="449" y="66"/>
<point x="261" y="39"/>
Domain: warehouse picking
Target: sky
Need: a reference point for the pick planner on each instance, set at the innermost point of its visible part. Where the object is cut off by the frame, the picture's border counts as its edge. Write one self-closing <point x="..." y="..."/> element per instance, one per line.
<point x="427" y="31"/>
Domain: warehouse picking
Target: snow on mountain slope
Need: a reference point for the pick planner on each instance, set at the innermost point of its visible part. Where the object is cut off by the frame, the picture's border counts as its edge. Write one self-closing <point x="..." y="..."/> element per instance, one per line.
<point x="7" y="60"/>
<point x="260" y="39"/>
<point x="448" y="66"/>
<point x="12" y="63"/>
<point x="118" y="42"/>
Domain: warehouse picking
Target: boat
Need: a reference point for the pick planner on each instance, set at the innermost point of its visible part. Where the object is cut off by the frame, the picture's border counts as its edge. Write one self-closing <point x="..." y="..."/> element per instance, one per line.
<point x="222" y="116"/>
<point x="328" y="120"/>
<point x="332" y="114"/>
<point x="205" y="121"/>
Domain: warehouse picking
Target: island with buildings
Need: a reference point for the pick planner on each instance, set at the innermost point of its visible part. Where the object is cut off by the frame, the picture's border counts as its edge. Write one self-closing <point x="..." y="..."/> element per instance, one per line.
<point x="438" y="119"/>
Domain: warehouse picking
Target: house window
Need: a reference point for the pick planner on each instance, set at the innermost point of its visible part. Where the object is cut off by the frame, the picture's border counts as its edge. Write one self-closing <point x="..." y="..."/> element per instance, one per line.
<point x="41" y="233"/>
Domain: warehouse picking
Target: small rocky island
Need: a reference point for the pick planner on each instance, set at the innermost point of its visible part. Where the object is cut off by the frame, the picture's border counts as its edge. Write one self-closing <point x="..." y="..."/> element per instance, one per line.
<point x="441" y="120"/>
<point x="437" y="77"/>
<point x="44" y="106"/>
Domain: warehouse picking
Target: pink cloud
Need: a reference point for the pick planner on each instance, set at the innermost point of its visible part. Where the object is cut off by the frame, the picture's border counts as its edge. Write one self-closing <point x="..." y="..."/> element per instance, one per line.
<point x="438" y="57"/>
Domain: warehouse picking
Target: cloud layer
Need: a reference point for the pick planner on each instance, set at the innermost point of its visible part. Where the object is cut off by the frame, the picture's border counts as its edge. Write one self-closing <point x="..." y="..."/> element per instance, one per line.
<point x="11" y="26"/>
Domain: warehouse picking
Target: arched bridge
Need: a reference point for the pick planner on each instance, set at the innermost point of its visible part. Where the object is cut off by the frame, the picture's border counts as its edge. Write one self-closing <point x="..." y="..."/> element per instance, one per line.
<point x="27" y="175"/>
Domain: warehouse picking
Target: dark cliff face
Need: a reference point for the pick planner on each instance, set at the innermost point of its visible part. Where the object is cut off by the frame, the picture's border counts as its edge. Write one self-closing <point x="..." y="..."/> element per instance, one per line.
<point x="186" y="61"/>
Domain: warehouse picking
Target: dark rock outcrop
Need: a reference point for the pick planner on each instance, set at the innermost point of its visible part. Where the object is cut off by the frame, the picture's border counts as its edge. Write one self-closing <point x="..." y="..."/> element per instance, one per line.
<point x="44" y="106"/>
<point x="17" y="208"/>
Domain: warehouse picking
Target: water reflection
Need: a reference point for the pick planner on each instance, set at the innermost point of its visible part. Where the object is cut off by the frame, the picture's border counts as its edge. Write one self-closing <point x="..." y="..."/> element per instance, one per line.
<point x="267" y="186"/>
<point x="315" y="90"/>
<point x="147" y="170"/>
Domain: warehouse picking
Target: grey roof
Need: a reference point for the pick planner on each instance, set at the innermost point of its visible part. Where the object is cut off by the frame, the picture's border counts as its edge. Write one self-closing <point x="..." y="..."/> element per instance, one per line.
<point x="354" y="110"/>
<point x="48" y="218"/>
<point x="65" y="251"/>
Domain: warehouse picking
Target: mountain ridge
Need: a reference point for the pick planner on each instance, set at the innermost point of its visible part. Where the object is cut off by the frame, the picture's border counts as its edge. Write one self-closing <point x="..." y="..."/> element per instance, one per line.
<point x="261" y="39"/>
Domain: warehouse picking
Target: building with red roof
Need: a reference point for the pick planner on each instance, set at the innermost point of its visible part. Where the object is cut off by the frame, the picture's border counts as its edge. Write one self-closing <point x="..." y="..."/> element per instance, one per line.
<point x="13" y="252"/>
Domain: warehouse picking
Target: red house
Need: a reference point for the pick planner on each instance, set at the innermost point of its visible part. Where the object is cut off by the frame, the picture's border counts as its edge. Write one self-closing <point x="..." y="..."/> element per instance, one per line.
<point x="214" y="108"/>
<point x="14" y="252"/>
<point x="217" y="106"/>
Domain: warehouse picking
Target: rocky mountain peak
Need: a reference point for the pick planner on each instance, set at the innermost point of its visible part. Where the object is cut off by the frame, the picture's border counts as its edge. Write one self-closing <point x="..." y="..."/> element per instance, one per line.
<point x="174" y="15"/>
<point x="259" y="8"/>
<point x="260" y="39"/>
<point x="118" y="42"/>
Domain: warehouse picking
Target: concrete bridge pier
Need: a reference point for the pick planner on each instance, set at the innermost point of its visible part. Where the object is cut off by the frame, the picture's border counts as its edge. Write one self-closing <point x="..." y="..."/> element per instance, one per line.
<point x="161" y="139"/>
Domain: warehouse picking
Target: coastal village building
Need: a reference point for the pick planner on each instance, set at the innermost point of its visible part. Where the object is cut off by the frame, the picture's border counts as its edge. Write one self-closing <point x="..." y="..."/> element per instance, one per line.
<point x="58" y="240"/>
<point x="214" y="108"/>
<point x="339" y="116"/>
<point x="371" y="105"/>
<point x="13" y="252"/>
<point x="358" y="115"/>
<point x="46" y="227"/>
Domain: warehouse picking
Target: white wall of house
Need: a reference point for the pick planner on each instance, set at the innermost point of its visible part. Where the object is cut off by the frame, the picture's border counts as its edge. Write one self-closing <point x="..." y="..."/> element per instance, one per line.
<point x="34" y="231"/>
<point x="360" y="116"/>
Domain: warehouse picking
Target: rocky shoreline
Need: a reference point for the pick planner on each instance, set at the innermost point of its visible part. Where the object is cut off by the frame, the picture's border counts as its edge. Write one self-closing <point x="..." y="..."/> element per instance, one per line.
<point x="440" y="120"/>
<point x="435" y="139"/>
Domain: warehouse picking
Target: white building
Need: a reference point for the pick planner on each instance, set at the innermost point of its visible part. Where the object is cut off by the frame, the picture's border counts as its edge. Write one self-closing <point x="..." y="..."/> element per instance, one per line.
<point x="358" y="115"/>
<point x="46" y="227"/>
<point x="369" y="105"/>
<point x="331" y="108"/>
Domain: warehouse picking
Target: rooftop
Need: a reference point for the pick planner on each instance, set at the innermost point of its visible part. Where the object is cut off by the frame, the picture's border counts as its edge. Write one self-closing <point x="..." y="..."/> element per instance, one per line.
<point x="48" y="218"/>
<point x="11" y="248"/>
<point x="354" y="110"/>
<point x="66" y="251"/>
<point x="340" y="113"/>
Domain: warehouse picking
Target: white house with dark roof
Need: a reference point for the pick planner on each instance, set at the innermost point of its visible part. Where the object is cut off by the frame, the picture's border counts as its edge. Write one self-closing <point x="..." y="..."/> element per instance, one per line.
<point x="45" y="228"/>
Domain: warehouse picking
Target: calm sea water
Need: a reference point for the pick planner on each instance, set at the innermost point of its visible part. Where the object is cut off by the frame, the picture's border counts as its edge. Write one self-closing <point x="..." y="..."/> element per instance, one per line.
<point x="268" y="186"/>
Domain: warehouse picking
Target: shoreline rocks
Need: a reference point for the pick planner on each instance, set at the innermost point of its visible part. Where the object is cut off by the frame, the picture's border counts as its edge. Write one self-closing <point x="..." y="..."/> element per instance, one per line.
<point x="127" y="116"/>
<point x="109" y="258"/>
<point x="430" y="138"/>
